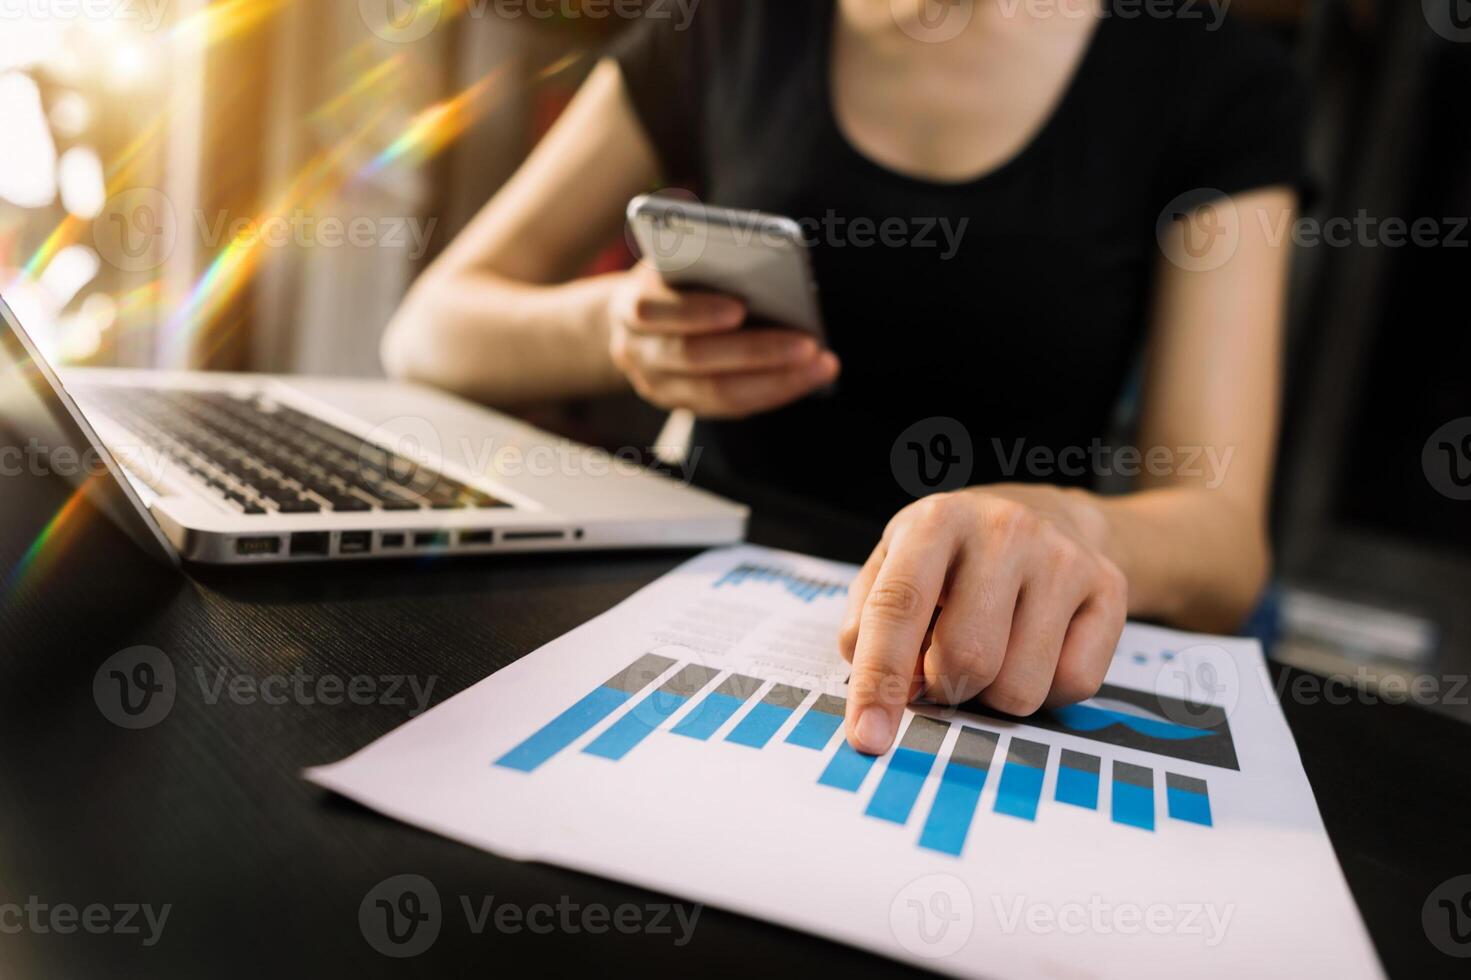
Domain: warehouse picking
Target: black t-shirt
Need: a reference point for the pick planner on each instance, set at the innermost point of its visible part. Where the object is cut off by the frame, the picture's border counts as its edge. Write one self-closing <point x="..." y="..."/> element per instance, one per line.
<point x="1014" y="303"/>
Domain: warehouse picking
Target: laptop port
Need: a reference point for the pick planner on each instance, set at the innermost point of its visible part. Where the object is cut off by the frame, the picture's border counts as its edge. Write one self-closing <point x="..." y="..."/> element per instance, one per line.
<point x="481" y="538"/>
<point x="509" y="536"/>
<point x="257" y="546"/>
<point x="431" y="539"/>
<point x="317" y="543"/>
<point x="355" y="543"/>
<point x="391" y="541"/>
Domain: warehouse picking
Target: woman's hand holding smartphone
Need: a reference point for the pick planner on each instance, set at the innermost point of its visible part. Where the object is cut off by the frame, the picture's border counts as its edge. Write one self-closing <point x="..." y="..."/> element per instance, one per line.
<point x="689" y="348"/>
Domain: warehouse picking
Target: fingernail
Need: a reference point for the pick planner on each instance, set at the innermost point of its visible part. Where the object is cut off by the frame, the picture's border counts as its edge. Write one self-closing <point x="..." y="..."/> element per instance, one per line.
<point x="875" y="730"/>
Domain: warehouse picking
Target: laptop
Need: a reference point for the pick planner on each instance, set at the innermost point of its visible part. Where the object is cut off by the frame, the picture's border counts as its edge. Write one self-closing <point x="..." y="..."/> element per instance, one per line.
<point x="257" y="469"/>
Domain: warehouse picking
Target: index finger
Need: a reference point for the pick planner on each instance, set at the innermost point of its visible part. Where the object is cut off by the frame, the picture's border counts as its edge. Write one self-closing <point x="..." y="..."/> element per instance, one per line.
<point x="892" y="625"/>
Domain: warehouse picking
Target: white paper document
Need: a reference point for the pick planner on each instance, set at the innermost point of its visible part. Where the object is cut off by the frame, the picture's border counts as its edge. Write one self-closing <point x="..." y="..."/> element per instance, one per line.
<point x="690" y="740"/>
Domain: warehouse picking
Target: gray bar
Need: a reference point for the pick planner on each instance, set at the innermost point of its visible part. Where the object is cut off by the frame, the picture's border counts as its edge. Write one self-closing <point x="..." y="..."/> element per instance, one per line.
<point x="830" y="705"/>
<point x="974" y="748"/>
<point x="689" y="680"/>
<point x="739" y="686"/>
<point x="1127" y="772"/>
<point x="783" y="696"/>
<point x="1025" y="753"/>
<point x="924" y="735"/>
<point x="637" y="675"/>
<point x="1081" y="761"/>
<point x="1173" y="780"/>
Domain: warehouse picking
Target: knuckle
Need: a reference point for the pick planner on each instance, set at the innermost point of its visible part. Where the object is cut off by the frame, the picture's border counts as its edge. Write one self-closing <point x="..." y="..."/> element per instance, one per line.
<point x="1014" y="700"/>
<point x="967" y="649"/>
<point x="894" y="597"/>
<point x="874" y="683"/>
<point x="958" y="671"/>
<point x="1077" y="681"/>
<point x="1009" y="519"/>
<point x="1061" y="552"/>
<point x="937" y="511"/>
<point x="1113" y="584"/>
<point x="848" y="638"/>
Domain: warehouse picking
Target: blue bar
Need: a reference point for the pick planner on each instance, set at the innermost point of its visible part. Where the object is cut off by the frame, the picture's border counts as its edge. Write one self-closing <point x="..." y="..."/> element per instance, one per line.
<point x="1188" y="806"/>
<point x="847" y="768"/>
<point x="955" y="804"/>
<point x="708" y="716"/>
<point x="908" y="767"/>
<point x="1077" y="779"/>
<point x="759" y="725"/>
<point x="901" y="784"/>
<point x="1187" y="799"/>
<point x="1020" y="789"/>
<point x="1077" y="788"/>
<point x="816" y="728"/>
<point x="1133" y="796"/>
<point x="634" y="727"/>
<point x="960" y="791"/>
<point x="564" y="729"/>
<point x="1021" y="779"/>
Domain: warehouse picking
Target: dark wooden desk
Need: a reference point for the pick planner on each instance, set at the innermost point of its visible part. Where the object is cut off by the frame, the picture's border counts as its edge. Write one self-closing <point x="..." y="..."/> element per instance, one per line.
<point x="205" y="811"/>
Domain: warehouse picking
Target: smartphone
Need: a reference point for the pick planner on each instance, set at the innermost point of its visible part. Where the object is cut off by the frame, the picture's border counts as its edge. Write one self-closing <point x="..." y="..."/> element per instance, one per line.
<point x="760" y="258"/>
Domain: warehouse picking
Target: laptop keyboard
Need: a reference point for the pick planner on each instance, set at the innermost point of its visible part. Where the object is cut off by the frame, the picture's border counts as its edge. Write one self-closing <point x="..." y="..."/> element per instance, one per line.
<point x="262" y="457"/>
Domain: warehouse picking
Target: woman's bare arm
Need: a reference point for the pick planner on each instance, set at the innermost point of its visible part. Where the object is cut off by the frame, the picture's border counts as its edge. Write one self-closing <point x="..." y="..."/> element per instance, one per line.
<point x="1193" y="541"/>
<point x="497" y="317"/>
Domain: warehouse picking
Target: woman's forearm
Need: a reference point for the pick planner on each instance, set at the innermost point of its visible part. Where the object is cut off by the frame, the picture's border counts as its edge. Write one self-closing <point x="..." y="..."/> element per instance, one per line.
<point x="1193" y="557"/>
<point x="504" y="342"/>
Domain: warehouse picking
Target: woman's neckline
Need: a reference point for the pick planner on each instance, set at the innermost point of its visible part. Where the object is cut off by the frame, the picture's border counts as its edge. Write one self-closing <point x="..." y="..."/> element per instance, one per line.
<point x="826" y="15"/>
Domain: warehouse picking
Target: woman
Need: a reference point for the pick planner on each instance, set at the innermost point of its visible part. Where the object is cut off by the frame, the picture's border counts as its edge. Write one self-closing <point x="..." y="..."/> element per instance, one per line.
<point x="1119" y="175"/>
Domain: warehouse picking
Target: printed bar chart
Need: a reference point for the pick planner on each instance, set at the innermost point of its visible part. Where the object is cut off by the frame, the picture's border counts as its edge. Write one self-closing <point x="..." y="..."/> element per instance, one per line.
<point x="1133" y="795"/>
<point x="769" y="714"/>
<point x="806" y="589"/>
<point x="1077" y="779"/>
<point x="816" y="728"/>
<point x="718" y="706"/>
<point x="963" y="777"/>
<point x="651" y="712"/>
<point x="847" y="769"/>
<point x="579" y="719"/>
<point x="961" y="784"/>
<point x="1187" y="799"/>
<point x="1020" y="789"/>
<point x="907" y="769"/>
